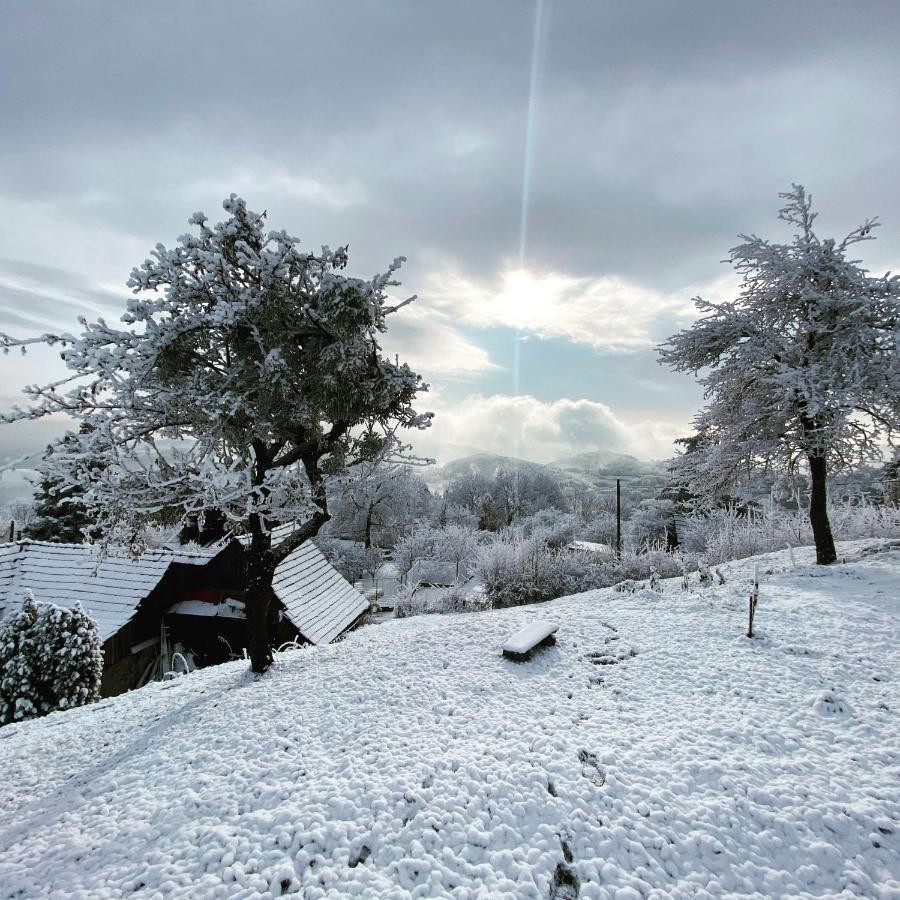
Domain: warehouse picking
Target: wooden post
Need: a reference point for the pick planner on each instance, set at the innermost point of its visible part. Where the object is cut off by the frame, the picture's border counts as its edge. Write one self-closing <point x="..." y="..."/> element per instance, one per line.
<point x="12" y="530"/>
<point x="618" y="518"/>
<point x="754" y="599"/>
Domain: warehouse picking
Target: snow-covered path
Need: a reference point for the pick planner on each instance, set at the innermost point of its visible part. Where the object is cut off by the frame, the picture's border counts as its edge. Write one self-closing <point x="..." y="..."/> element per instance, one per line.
<point x="653" y="752"/>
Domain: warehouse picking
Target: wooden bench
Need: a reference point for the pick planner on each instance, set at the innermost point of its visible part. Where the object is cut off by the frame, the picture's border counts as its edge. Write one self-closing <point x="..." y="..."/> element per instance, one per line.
<point x="520" y="645"/>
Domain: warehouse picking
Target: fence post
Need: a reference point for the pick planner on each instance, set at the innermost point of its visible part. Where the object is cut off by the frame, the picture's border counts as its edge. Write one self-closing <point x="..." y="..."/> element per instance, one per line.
<point x="618" y="519"/>
<point x="754" y="599"/>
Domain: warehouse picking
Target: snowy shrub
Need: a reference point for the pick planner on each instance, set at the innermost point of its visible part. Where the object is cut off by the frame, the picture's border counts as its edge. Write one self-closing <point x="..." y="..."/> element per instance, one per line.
<point x="725" y="534"/>
<point x="352" y="560"/>
<point x="625" y="587"/>
<point x="599" y="528"/>
<point x="445" y="513"/>
<point x="650" y="522"/>
<point x="50" y="659"/>
<point x="459" y="599"/>
<point x="552" y="527"/>
<point x="637" y="566"/>
<point x="519" y="571"/>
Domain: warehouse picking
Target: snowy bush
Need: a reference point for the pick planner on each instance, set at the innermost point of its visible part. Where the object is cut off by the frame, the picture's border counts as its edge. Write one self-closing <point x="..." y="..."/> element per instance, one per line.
<point x="553" y="527"/>
<point x="600" y="528"/>
<point x="459" y="599"/>
<point x="650" y="522"/>
<point x="725" y="534"/>
<point x="352" y="559"/>
<point x="516" y="571"/>
<point x="50" y="659"/>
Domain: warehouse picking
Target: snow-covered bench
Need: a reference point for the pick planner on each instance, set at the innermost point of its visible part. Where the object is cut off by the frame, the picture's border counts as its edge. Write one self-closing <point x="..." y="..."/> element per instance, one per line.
<point x="526" y="640"/>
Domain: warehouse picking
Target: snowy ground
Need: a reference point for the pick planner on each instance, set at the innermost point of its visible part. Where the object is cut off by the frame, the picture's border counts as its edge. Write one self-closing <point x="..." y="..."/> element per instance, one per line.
<point x="653" y="752"/>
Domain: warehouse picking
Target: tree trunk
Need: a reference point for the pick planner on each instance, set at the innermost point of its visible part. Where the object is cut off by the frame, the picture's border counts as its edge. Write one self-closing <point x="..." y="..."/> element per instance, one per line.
<point x="258" y="599"/>
<point x="368" y="541"/>
<point x="818" y="512"/>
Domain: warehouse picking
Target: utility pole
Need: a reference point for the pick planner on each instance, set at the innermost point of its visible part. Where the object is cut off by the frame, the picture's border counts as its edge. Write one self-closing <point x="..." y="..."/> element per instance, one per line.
<point x="618" y="518"/>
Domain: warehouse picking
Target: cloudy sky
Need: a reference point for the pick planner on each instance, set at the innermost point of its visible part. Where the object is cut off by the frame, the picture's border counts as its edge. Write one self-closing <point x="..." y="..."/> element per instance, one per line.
<point x="562" y="177"/>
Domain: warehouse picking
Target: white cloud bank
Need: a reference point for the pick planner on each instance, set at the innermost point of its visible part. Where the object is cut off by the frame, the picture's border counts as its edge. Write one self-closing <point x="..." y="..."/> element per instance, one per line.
<point x="529" y="428"/>
<point x="606" y="312"/>
<point x="429" y="342"/>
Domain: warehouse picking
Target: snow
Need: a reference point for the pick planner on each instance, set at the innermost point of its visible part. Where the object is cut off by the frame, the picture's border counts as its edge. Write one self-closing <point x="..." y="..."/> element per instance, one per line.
<point x="590" y="546"/>
<point x="654" y="751"/>
<point x="229" y="608"/>
<point x="528" y="637"/>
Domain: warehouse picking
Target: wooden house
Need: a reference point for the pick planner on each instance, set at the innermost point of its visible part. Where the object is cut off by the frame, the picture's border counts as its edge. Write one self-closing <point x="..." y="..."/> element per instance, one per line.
<point x="175" y="600"/>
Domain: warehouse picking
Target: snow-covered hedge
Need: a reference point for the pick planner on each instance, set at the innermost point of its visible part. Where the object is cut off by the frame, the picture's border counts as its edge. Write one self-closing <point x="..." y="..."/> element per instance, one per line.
<point x="457" y="599"/>
<point x="50" y="659"/>
<point x="724" y="534"/>
<point x="521" y="565"/>
<point x="516" y="571"/>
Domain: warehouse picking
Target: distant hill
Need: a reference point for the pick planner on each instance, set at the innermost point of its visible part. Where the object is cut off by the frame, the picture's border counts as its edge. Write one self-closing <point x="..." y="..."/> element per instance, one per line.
<point x="605" y="462"/>
<point x="596" y="470"/>
<point x="486" y="464"/>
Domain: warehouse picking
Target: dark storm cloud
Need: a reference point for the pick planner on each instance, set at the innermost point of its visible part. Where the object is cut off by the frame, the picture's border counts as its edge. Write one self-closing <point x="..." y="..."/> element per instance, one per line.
<point x="662" y="129"/>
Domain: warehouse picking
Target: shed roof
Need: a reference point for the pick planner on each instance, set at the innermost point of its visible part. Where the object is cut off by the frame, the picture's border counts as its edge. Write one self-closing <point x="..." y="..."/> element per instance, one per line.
<point x="109" y="583"/>
<point x="438" y="572"/>
<point x="317" y="599"/>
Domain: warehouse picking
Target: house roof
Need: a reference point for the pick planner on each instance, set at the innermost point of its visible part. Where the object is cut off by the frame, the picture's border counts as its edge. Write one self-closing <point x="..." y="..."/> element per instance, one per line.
<point x="110" y="584"/>
<point x="317" y="599"/>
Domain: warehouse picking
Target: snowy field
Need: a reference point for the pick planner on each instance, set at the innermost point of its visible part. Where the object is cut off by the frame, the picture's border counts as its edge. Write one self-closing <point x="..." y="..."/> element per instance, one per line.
<point x="653" y="752"/>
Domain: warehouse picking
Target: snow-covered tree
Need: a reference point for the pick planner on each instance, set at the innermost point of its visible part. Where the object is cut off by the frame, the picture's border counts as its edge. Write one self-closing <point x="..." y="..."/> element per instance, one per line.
<point x="650" y="523"/>
<point x="59" y="513"/>
<point x="20" y="514"/>
<point x="378" y="497"/>
<point x="451" y="543"/>
<point x="50" y="659"/>
<point x="802" y="368"/>
<point x="509" y="495"/>
<point x="248" y="371"/>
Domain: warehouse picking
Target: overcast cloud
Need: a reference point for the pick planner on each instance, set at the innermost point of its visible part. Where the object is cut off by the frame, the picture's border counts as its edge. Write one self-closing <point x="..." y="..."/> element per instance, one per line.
<point x="661" y="130"/>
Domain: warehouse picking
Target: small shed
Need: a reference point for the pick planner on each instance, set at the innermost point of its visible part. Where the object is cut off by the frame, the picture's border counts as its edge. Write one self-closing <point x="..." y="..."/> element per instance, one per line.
<point x="435" y="573"/>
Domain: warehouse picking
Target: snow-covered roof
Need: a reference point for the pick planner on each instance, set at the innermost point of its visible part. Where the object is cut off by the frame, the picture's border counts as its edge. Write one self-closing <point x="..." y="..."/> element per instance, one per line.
<point x="317" y="599"/>
<point x="109" y="584"/>
<point x="590" y="546"/>
<point x="433" y="571"/>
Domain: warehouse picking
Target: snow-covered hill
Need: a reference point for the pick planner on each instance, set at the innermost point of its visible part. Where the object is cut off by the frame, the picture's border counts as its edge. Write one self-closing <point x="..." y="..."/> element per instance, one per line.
<point x="654" y="752"/>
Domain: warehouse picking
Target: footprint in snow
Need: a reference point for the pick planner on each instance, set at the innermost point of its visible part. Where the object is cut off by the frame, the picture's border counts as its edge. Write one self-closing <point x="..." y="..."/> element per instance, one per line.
<point x="590" y="767"/>
<point x="610" y="656"/>
<point x="566" y="885"/>
<point x="827" y="703"/>
<point x="795" y="650"/>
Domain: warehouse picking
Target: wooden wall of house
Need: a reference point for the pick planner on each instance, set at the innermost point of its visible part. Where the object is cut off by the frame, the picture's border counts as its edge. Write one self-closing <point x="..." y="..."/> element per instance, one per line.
<point x="126" y="672"/>
<point x="123" y="667"/>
